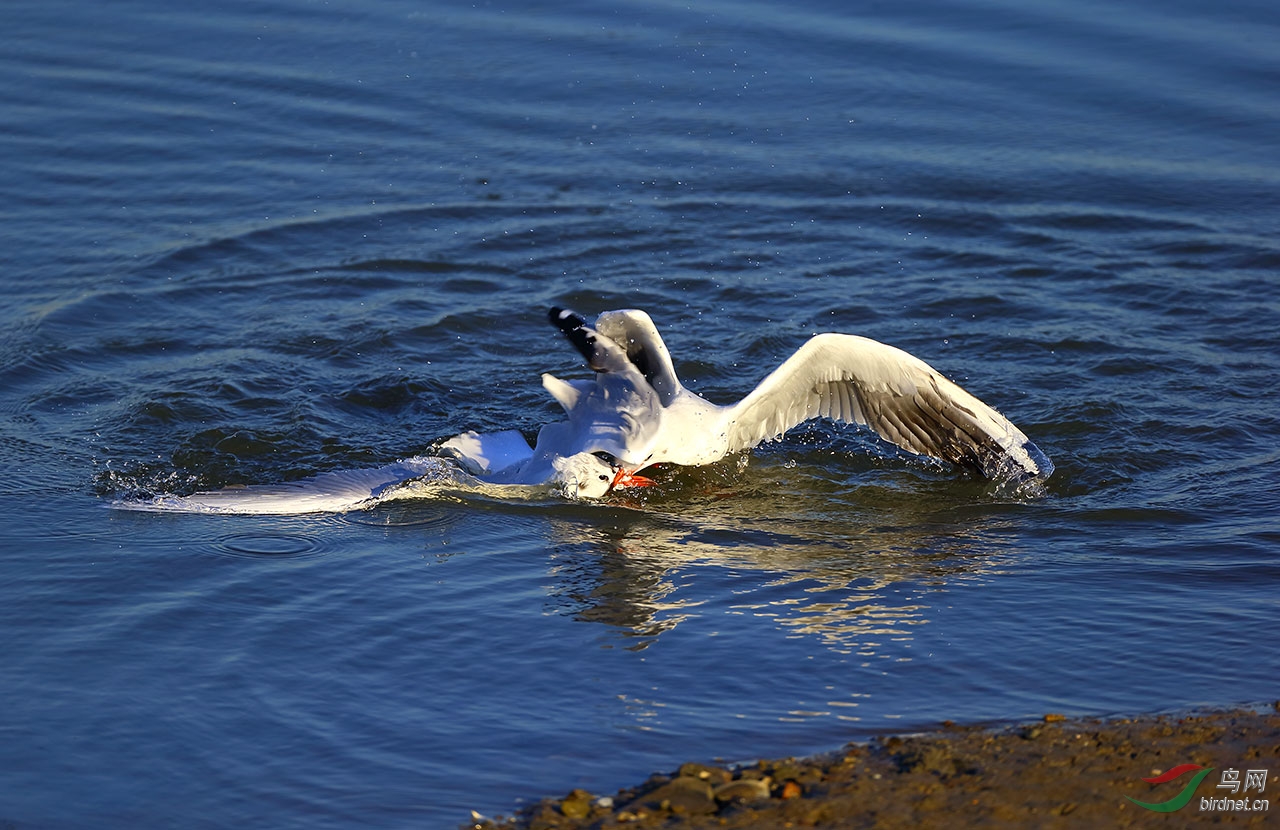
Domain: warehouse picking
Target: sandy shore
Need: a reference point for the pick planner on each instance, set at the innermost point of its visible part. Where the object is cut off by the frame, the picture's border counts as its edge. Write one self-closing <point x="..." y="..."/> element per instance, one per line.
<point x="1051" y="773"/>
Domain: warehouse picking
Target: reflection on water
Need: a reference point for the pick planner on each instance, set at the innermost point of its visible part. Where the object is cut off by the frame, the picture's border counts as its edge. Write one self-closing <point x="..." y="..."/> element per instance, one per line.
<point x="846" y="621"/>
<point x="858" y="576"/>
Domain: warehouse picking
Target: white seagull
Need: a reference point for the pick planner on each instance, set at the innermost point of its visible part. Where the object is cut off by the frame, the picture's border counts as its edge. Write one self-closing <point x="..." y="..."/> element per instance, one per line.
<point x="635" y="413"/>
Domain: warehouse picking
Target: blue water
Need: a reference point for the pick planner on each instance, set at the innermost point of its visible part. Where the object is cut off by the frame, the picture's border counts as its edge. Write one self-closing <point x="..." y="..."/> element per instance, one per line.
<point x="276" y="238"/>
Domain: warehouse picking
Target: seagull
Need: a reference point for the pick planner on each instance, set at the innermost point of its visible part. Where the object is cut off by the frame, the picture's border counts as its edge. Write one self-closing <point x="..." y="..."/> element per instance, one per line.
<point x="634" y="413"/>
<point x="579" y="477"/>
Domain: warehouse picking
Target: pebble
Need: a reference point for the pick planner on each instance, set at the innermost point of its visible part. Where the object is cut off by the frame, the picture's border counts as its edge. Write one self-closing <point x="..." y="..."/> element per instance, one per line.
<point x="713" y="774"/>
<point x="683" y="794"/>
<point x="787" y="769"/>
<point x="743" y="791"/>
<point x="577" y="804"/>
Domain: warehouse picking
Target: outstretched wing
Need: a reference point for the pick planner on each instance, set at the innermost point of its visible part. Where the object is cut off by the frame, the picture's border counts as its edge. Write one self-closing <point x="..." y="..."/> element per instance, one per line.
<point x="333" y="492"/>
<point x="634" y="331"/>
<point x="862" y="381"/>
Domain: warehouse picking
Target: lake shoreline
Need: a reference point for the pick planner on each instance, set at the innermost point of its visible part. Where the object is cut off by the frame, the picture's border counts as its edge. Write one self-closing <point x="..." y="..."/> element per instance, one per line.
<point x="1048" y="772"/>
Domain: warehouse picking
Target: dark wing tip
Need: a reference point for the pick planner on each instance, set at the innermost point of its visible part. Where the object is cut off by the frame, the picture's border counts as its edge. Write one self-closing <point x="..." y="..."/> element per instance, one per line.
<point x="574" y="327"/>
<point x="565" y="320"/>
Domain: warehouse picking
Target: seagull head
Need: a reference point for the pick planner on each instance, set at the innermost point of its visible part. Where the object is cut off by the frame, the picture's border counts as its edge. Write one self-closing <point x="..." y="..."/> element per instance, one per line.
<point x="588" y="475"/>
<point x="623" y="475"/>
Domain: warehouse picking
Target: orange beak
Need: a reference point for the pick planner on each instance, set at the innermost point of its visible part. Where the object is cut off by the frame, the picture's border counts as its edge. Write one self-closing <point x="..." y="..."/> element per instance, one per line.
<point x="626" y="479"/>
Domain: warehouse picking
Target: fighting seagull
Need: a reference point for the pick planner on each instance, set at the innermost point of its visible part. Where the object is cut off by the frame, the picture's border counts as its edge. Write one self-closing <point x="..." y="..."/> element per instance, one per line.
<point x="634" y="413"/>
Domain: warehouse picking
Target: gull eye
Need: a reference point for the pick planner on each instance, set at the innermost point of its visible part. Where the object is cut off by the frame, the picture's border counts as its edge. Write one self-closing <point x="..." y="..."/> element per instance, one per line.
<point x="604" y="477"/>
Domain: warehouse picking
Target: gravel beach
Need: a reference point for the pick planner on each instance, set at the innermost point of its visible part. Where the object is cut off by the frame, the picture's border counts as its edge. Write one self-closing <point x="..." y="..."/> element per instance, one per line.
<point x="1054" y="772"/>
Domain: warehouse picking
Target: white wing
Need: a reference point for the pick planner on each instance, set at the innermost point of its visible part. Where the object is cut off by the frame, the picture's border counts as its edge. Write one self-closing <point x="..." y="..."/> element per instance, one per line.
<point x="326" y="493"/>
<point x="635" y="332"/>
<point x="862" y="381"/>
<point x="488" y="452"/>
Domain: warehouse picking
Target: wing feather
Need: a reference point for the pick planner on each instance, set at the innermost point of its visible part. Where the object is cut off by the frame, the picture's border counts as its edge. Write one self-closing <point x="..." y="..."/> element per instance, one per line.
<point x="904" y="400"/>
<point x="634" y="331"/>
<point x="333" y="492"/>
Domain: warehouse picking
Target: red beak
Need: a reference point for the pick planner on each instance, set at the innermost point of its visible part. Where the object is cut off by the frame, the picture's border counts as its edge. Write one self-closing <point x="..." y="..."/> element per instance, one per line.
<point x="626" y="479"/>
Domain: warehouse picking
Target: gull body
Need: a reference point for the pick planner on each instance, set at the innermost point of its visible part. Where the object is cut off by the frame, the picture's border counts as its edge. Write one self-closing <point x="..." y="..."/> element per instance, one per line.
<point x="635" y="412"/>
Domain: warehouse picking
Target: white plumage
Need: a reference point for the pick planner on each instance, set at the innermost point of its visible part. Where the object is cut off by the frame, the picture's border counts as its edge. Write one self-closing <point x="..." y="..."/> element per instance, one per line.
<point x="635" y="413"/>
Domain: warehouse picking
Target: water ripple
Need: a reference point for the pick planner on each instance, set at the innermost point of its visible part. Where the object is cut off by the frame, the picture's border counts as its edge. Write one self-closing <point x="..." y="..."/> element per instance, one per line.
<point x="269" y="544"/>
<point x="266" y="240"/>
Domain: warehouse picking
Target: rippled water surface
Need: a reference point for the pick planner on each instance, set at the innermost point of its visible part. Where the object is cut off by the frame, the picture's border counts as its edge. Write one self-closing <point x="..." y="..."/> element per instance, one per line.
<point x="278" y="238"/>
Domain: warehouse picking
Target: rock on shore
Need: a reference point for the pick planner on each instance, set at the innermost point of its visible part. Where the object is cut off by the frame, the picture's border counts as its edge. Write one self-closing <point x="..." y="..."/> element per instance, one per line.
<point x="1054" y="772"/>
